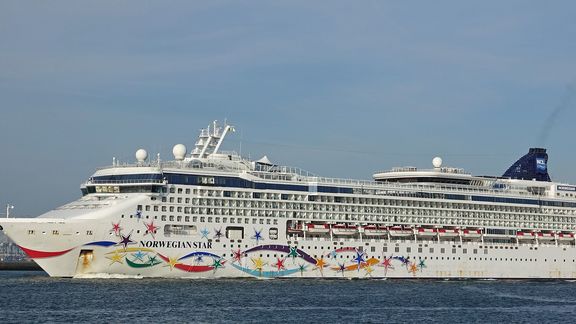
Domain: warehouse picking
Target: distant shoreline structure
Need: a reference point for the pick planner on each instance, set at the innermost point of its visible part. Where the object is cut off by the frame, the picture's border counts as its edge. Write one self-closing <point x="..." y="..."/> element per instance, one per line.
<point x="19" y="266"/>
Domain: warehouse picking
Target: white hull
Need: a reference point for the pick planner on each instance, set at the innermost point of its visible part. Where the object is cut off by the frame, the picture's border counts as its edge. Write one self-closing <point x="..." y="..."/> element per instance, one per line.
<point x="313" y="257"/>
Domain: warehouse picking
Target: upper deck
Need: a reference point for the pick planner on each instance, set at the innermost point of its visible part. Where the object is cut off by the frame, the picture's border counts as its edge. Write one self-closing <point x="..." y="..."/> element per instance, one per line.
<point x="207" y="163"/>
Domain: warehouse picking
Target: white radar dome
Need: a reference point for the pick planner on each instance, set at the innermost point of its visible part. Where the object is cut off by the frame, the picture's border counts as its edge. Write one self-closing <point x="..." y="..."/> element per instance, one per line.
<point x="437" y="162"/>
<point x="179" y="152"/>
<point x="141" y="155"/>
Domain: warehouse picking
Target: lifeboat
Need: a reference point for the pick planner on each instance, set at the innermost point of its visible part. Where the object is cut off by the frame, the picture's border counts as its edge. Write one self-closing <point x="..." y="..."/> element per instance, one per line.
<point x="295" y="229"/>
<point x="448" y="233"/>
<point x="343" y="229"/>
<point x="398" y="231"/>
<point x="525" y="235"/>
<point x="427" y="232"/>
<point x="543" y="236"/>
<point x="318" y="228"/>
<point x="472" y="233"/>
<point x="565" y="237"/>
<point x="373" y="230"/>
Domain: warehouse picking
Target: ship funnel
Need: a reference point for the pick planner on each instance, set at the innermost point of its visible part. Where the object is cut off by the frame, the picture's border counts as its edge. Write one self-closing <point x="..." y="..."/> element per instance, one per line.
<point x="532" y="166"/>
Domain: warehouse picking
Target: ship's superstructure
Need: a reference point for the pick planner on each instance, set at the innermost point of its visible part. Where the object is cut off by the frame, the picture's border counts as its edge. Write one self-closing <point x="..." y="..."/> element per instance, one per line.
<point x="211" y="214"/>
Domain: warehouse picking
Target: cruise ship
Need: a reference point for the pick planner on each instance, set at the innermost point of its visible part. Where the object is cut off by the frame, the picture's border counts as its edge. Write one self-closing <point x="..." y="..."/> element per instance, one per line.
<point x="214" y="214"/>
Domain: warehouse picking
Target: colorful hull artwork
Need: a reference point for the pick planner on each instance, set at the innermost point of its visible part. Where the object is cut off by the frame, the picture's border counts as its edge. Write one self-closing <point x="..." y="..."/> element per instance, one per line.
<point x="288" y="261"/>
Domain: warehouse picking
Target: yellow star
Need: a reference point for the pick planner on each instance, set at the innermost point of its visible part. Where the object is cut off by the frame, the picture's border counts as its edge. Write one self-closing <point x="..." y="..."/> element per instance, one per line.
<point x="172" y="262"/>
<point x="258" y="263"/>
<point x="116" y="257"/>
<point x="368" y="270"/>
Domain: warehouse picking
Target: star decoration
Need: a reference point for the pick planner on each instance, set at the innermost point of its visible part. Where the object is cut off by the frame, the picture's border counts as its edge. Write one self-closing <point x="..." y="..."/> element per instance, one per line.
<point x="406" y="262"/>
<point x="204" y="233"/>
<point x="126" y="240"/>
<point x="199" y="259"/>
<point x="387" y="263"/>
<point x="320" y="264"/>
<point x="116" y="228"/>
<point x="237" y="256"/>
<point x="139" y="214"/>
<point x="333" y="254"/>
<point x="150" y="228"/>
<point x="369" y="270"/>
<point x="258" y="264"/>
<point x="294" y="253"/>
<point x="218" y="263"/>
<point x="421" y="265"/>
<point x="257" y="236"/>
<point x="139" y="256"/>
<point x="172" y="262"/>
<point x="341" y="268"/>
<point x="218" y="233"/>
<point x="152" y="259"/>
<point x="359" y="259"/>
<point x="280" y="264"/>
<point x="116" y="257"/>
<point x="413" y="268"/>
<point x="302" y="268"/>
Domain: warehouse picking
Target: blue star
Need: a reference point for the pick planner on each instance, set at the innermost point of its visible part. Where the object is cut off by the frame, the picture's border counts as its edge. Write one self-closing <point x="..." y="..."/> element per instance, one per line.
<point x="139" y="256"/>
<point x="333" y="254"/>
<point x="205" y="233"/>
<point x="257" y="236"/>
<point x="199" y="259"/>
<point x="139" y="214"/>
<point x="218" y="233"/>
<point x="359" y="258"/>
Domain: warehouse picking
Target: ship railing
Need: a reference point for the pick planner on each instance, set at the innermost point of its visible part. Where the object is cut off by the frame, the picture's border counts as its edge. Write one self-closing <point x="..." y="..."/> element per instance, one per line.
<point x="366" y="184"/>
<point x="131" y="181"/>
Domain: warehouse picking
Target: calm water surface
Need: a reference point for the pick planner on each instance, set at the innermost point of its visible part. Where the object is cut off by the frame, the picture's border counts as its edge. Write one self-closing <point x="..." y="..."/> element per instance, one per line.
<point x="34" y="297"/>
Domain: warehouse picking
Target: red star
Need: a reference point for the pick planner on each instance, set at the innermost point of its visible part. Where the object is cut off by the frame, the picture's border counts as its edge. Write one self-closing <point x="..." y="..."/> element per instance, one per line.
<point x="116" y="228"/>
<point x="387" y="263"/>
<point x="280" y="264"/>
<point x="150" y="228"/>
<point x="237" y="256"/>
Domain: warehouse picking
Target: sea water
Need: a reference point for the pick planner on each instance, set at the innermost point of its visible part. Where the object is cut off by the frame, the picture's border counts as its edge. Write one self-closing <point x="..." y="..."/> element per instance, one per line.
<point x="35" y="297"/>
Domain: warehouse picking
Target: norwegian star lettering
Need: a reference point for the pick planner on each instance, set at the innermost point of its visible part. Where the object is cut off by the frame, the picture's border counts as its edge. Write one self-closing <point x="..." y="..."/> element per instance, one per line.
<point x="176" y="244"/>
<point x="566" y="188"/>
